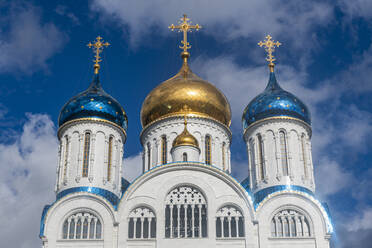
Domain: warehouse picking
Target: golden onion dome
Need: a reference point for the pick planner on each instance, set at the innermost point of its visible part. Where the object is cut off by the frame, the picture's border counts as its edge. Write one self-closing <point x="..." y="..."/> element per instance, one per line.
<point x="185" y="139"/>
<point x="185" y="89"/>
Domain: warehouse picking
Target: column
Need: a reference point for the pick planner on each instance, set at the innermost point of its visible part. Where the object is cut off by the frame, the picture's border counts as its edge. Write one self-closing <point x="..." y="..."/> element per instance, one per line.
<point x="200" y="221"/>
<point x="171" y="221"/>
<point x="237" y="225"/>
<point x="95" y="228"/>
<point x="68" y="229"/>
<point x="229" y="226"/>
<point x="142" y="225"/>
<point x="149" y="227"/>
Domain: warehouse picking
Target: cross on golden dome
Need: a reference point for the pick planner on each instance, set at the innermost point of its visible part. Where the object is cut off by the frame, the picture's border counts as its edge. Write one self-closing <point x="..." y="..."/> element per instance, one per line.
<point x="270" y="45"/>
<point x="185" y="26"/>
<point x="97" y="47"/>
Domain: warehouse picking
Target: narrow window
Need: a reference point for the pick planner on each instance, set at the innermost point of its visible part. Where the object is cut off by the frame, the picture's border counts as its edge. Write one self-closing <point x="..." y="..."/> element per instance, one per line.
<point x="72" y="229"/>
<point x="184" y="156"/>
<point x="78" y="229"/>
<point x="109" y="161"/>
<point x="85" y="229"/>
<point x="283" y="153"/>
<point x="66" y="157"/>
<point x="86" y="154"/>
<point x="304" y="158"/>
<point x="148" y="155"/>
<point x="208" y="149"/>
<point x="261" y="171"/>
<point x="163" y="150"/>
<point x="223" y="156"/>
<point x="65" y="229"/>
<point x="98" y="230"/>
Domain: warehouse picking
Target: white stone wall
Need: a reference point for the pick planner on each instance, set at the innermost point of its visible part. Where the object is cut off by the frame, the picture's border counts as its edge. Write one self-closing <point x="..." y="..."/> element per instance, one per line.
<point x="69" y="172"/>
<point x="193" y="153"/>
<point x="219" y="190"/>
<point x="270" y="130"/>
<point x="199" y="127"/>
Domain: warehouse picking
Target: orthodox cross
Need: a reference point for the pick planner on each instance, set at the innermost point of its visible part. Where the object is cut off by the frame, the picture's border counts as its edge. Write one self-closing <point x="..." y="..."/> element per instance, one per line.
<point x="97" y="47"/>
<point x="185" y="26"/>
<point x="270" y="45"/>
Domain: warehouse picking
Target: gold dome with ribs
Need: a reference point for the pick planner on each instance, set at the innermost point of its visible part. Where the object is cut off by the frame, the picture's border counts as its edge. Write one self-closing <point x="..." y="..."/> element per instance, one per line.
<point x="185" y="138"/>
<point x="185" y="89"/>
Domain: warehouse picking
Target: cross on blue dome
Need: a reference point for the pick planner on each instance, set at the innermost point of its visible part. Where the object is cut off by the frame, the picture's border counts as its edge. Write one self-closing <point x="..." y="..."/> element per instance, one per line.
<point x="272" y="102"/>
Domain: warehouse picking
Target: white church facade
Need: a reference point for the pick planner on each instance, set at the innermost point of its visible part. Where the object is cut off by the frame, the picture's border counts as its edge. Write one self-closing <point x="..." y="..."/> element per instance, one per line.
<point x="186" y="196"/>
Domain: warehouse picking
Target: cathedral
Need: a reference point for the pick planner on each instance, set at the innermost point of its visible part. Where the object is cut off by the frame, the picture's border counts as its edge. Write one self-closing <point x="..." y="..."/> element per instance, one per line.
<point x="185" y="196"/>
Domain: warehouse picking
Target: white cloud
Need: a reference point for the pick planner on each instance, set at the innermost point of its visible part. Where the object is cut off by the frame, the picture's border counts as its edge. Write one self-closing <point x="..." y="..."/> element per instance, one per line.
<point x="362" y="221"/>
<point x="63" y="11"/>
<point x="356" y="8"/>
<point x="132" y="167"/>
<point x="331" y="178"/>
<point x="225" y="19"/>
<point x="27" y="180"/>
<point x="26" y="44"/>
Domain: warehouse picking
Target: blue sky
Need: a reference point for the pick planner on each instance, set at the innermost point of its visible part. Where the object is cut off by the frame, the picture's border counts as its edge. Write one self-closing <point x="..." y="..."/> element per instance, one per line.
<point x="325" y="59"/>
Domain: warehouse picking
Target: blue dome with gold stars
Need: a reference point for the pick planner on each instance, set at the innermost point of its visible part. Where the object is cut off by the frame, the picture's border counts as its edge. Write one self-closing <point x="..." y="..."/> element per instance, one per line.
<point x="94" y="103"/>
<point x="275" y="101"/>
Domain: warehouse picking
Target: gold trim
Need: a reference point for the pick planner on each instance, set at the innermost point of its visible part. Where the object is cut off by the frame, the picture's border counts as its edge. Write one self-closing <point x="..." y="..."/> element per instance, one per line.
<point x="192" y="114"/>
<point x="277" y="118"/>
<point x="90" y="119"/>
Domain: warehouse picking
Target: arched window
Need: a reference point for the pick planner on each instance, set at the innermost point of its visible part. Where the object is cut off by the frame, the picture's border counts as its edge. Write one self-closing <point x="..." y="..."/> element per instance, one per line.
<point x="261" y="169"/>
<point x="208" y="158"/>
<point x="229" y="223"/>
<point x="184" y="156"/>
<point x="109" y="158"/>
<point x="142" y="224"/>
<point x="82" y="225"/>
<point x="223" y="155"/>
<point x="185" y="213"/>
<point x="148" y="156"/>
<point x="163" y="150"/>
<point x="284" y="152"/>
<point x="86" y="154"/>
<point x="290" y="223"/>
<point x="65" y="157"/>
<point x="304" y="157"/>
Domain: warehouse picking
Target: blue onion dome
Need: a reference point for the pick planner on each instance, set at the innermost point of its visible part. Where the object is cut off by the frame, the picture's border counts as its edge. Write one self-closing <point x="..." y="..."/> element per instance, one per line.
<point x="94" y="103"/>
<point x="272" y="102"/>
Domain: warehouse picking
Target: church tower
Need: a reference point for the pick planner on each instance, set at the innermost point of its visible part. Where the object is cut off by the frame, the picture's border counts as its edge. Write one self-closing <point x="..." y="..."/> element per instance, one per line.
<point x="277" y="132"/>
<point x="185" y="94"/>
<point x="92" y="133"/>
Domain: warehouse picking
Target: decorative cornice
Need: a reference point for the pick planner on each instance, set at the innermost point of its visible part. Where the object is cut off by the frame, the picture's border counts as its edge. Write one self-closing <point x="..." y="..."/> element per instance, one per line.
<point x="277" y="118"/>
<point x="181" y="115"/>
<point x="68" y="123"/>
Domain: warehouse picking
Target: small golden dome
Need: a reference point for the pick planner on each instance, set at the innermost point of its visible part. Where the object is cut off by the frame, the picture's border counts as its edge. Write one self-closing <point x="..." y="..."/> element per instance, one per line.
<point x="185" y="139"/>
<point x="185" y="89"/>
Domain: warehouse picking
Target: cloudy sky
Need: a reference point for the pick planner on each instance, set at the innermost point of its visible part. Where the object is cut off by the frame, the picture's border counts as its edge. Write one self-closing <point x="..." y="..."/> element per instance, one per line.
<point x="325" y="59"/>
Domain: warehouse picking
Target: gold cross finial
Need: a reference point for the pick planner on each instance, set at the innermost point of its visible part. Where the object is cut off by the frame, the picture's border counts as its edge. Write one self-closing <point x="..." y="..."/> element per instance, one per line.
<point x="270" y="48"/>
<point x="185" y="26"/>
<point x="97" y="46"/>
